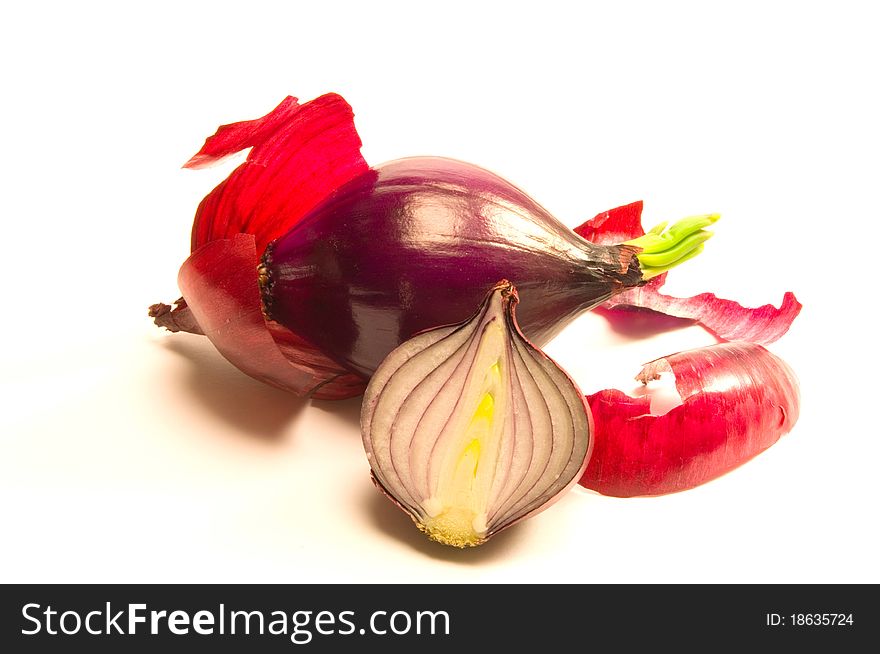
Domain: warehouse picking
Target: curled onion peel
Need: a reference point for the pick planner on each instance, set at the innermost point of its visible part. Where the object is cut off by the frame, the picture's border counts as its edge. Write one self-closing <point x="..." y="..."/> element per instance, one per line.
<point x="226" y="306"/>
<point x="727" y="319"/>
<point x="300" y="154"/>
<point x="736" y="400"/>
<point x="469" y="428"/>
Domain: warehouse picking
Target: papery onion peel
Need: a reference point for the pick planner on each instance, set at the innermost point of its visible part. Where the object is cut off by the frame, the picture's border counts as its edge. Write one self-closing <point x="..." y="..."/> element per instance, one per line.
<point x="737" y="399"/>
<point x="727" y="319"/>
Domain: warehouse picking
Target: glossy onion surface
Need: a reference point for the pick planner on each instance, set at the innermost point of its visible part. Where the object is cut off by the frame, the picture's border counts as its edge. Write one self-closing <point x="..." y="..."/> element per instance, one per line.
<point x="414" y="244"/>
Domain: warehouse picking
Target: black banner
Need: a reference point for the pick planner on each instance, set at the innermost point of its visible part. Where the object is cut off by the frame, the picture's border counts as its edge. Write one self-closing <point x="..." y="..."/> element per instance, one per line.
<point x="392" y="618"/>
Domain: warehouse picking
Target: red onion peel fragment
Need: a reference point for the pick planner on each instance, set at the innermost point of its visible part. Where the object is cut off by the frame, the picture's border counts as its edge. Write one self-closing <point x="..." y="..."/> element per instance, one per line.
<point x="737" y="399"/>
<point x="470" y="429"/>
<point x="727" y="319"/>
<point x="300" y="154"/>
<point x="224" y="301"/>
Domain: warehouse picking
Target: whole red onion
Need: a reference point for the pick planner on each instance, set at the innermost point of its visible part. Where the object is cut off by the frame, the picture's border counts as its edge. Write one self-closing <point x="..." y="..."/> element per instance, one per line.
<point x="416" y="243"/>
<point x="363" y="258"/>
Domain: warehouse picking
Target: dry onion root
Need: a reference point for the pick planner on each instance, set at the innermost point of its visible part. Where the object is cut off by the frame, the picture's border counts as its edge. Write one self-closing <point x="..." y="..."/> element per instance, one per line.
<point x="469" y="428"/>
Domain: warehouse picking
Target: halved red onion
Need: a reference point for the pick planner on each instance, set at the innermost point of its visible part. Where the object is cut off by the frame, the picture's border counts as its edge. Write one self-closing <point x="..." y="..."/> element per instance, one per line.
<point x="469" y="428"/>
<point x="736" y="400"/>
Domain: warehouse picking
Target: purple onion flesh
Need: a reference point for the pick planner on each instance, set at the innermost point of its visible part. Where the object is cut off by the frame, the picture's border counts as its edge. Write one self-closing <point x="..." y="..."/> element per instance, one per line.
<point x="469" y="428"/>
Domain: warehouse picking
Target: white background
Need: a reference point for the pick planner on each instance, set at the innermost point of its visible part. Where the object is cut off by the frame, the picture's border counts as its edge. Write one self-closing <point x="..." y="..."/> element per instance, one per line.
<point x="128" y="455"/>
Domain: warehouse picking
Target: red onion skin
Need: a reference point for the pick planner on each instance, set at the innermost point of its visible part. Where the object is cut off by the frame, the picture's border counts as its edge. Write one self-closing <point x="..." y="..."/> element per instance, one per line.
<point x="727" y="319"/>
<point x="416" y="243"/>
<point x="739" y="399"/>
<point x="300" y="154"/>
<point x="222" y="294"/>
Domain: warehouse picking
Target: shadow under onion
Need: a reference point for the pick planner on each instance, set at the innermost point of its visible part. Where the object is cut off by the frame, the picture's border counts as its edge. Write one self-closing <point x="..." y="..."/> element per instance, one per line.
<point x="252" y="407"/>
<point x="638" y="323"/>
<point x="349" y="410"/>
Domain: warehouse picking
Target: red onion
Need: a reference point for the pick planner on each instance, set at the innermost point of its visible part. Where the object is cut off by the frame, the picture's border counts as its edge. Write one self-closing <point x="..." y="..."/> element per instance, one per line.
<point x="470" y="429"/>
<point x="363" y="258"/>
<point x="308" y="267"/>
<point x="737" y="399"/>
<point x="414" y="244"/>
